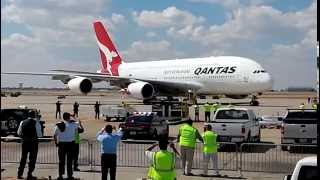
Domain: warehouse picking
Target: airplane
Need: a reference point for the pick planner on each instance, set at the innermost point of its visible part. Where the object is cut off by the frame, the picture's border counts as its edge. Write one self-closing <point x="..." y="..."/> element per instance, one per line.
<point x="234" y="77"/>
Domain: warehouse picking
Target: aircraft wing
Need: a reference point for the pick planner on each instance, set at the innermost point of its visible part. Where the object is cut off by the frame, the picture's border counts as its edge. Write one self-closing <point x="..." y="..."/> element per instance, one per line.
<point x="164" y="87"/>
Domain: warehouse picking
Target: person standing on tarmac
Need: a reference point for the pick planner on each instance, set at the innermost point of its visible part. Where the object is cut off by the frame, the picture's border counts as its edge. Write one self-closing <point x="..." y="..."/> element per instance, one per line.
<point x="207" y="111"/>
<point x="162" y="162"/>
<point x="64" y="137"/>
<point x="196" y="112"/>
<point x="187" y="140"/>
<point x="77" y="144"/>
<point x="29" y="130"/>
<point x="109" y="142"/>
<point x="97" y="110"/>
<point x="76" y="109"/>
<point x="58" y="109"/>
<point x="210" y="148"/>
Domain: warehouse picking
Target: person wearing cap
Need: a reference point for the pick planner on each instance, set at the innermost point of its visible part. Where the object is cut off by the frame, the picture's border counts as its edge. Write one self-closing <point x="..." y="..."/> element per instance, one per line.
<point x="64" y="137"/>
<point x="162" y="161"/>
<point x="187" y="140"/>
<point x="29" y="130"/>
<point x="210" y="149"/>
<point x="109" y="142"/>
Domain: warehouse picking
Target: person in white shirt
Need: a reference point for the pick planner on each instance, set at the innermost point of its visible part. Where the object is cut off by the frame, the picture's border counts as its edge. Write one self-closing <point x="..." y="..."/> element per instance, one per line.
<point x="64" y="137"/>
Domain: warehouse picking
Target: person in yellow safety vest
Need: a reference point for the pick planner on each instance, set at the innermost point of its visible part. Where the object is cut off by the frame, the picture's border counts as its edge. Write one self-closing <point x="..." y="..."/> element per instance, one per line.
<point x="77" y="144"/>
<point x="210" y="149"/>
<point x="162" y="162"/>
<point x="214" y="107"/>
<point x="314" y="105"/>
<point x="187" y="140"/>
<point x="207" y="111"/>
<point x="302" y="106"/>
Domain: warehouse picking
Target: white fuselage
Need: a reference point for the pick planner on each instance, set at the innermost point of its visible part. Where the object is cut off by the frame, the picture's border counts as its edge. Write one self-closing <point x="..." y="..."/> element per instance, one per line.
<point x="216" y="75"/>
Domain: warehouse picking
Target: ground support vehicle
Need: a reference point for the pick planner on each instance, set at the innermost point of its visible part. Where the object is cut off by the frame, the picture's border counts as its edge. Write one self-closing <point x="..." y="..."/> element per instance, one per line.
<point x="145" y="125"/>
<point x="299" y="127"/>
<point x="236" y="125"/>
<point x="11" y="118"/>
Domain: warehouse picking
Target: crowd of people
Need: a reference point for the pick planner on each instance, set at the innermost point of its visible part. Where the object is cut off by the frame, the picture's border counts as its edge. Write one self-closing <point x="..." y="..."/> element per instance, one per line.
<point x="162" y="163"/>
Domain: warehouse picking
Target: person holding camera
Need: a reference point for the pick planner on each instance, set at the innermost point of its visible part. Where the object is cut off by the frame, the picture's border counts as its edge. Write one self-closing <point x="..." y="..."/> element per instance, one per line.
<point x="109" y="142"/>
<point x="162" y="161"/>
<point x="64" y="137"/>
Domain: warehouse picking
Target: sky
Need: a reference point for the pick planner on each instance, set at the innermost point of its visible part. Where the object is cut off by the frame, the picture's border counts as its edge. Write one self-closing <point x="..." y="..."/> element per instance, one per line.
<point x="40" y="35"/>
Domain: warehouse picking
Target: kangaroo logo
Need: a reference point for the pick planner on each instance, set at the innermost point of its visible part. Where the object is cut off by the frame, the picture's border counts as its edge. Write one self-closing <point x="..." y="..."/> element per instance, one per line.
<point x="109" y="55"/>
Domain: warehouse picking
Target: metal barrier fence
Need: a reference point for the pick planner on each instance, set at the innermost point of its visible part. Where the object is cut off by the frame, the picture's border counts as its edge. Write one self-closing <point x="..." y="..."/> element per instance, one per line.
<point x="271" y="157"/>
<point x="47" y="151"/>
<point x="253" y="157"/>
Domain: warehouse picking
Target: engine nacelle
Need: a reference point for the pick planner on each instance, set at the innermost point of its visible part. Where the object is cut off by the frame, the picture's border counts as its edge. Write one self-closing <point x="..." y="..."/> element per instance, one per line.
<point x="141" y="90"/>
<point x="237" y="96"/>
<point x="80" y="85"/>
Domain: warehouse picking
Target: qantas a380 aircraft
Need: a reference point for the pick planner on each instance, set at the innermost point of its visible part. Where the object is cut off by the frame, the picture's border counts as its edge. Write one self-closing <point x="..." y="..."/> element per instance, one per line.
<point x="234" y="77"/>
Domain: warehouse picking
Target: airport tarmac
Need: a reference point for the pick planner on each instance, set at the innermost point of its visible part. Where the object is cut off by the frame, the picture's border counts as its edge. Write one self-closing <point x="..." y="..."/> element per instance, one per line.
<point x="133" y="154"/>
<point x="274" y="104"/>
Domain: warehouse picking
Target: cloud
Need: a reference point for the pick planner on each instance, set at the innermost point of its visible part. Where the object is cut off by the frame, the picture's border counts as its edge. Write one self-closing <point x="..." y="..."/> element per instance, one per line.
<point x="150" y="50"/>
<point x="117" y="18"/>
<point x="282" y="42"/>
<point x="170" y="16"/>
<point x="60" y="35"/>
<point x="229" y="4"/>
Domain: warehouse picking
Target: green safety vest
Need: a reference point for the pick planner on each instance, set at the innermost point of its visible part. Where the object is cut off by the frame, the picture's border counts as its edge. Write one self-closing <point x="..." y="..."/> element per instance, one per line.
<point x="210" y="144"/>
<point x="215" y="107"/>
<point x="187" y="136"/>
<point x="207" y="107"/>
<point x="314" y="106"/>
<point x="163" y="166"/>
<point x="77" y="139"/>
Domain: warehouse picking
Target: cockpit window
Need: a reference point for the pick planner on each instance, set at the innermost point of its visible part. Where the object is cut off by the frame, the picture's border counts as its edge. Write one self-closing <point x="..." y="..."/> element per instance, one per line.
<point x="259" y="71"/>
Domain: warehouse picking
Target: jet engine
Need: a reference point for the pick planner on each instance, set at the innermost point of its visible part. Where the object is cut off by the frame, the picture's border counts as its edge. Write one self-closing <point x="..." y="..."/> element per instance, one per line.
<point x="80" y="85"/>
<point x="141" y="90"/>
<point x="237" y="96"/>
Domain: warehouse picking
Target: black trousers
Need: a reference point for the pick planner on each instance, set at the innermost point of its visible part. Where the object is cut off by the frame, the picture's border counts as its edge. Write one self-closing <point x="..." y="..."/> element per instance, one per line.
<point x="32" y="149"/>
<point x="58" y="112"/>
<point x="109" y="161"/>
<point x="66" y="149"/>
<point x="207" y="116"/>
<point x="76" y="155"/>
<point x="97" y="115"/>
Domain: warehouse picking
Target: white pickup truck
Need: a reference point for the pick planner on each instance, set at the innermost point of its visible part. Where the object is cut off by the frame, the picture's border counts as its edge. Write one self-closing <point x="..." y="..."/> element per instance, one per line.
<point x="236" y="125"/>
<point x="299" y="127"/>
<point x="306" y="169"/>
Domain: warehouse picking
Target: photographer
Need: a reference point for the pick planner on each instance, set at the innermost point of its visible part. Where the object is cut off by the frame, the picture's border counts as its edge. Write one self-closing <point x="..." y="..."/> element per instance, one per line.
<point x="162" y="162"/>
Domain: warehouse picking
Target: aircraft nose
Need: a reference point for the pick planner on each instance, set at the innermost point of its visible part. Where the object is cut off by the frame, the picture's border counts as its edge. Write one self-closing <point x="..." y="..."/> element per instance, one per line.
<point x="268" y="81"/>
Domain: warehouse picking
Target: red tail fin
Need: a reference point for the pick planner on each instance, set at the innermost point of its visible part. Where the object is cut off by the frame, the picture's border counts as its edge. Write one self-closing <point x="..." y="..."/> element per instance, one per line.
<point x="110" y="59"/>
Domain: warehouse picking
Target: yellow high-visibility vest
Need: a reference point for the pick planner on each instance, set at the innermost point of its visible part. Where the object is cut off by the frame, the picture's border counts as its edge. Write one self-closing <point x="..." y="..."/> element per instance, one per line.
<point x="187" y="136"/>
<point x="163" y="166"/>
<point x="209" y="142"/>
<point x="207" y="107"/>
